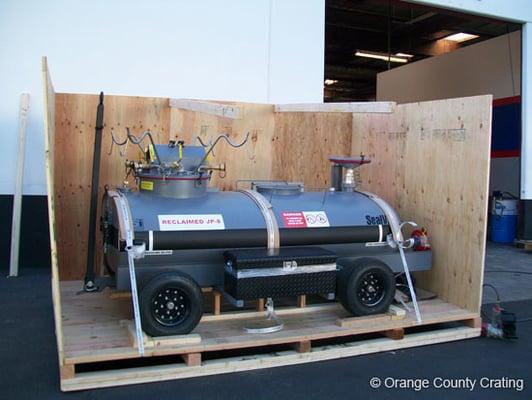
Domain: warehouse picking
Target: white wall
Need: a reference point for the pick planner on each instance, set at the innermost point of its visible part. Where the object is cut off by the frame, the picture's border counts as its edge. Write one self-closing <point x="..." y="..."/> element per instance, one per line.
<point x="483" y="68"/>
<point x="194" y="49"/>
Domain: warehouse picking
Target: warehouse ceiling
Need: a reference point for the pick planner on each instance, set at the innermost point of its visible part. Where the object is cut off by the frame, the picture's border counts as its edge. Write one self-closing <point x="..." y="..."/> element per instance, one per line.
<point x="386" y="27"/>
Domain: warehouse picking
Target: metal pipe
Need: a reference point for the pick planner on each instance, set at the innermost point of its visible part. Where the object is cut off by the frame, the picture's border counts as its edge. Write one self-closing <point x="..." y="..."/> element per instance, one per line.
<point x="89" y="285"/>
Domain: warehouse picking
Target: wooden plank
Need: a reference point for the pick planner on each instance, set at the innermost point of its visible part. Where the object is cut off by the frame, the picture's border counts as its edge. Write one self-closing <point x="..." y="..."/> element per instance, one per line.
<point x="100" y="379"/>
<point x="418" y="157"/>
<point x="176" y="340"/>
<point x="352" y="107"/>
<point x="396" y="312"/>
<point x="132" y="334"/>
<point x="353" y="322"/>
<point x="49" y="139"/>
<point x="208" y="107"/>
<point x="19" y="180"/>
<point x="113" y="294"/>
<point x="159" y="341"/>
<point x="278" y="310"/>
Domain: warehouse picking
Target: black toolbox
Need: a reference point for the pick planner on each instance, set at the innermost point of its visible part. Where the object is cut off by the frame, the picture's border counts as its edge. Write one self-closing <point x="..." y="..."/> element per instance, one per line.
<point x="288" y="271"/>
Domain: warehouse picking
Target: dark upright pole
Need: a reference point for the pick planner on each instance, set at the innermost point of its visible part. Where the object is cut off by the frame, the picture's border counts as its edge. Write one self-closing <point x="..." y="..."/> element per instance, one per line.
<point x="89" y="277"/>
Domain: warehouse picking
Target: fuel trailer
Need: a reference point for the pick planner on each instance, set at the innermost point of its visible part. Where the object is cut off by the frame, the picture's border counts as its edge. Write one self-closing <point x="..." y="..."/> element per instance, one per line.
<point x="265" y="239"/>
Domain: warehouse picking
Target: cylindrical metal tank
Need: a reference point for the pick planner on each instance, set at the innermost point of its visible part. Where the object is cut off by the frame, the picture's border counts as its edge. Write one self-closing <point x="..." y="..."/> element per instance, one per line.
<point x="233" y="220"/>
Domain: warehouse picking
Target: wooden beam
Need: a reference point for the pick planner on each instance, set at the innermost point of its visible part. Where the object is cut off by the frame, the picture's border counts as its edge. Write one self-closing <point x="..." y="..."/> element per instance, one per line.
<point x="260" y="305"/>
<point x="301" y="301"/>
<point x="473" y="322"/>
<point x="304" y="346"/>
<point x="216" y="305"/>
<point x="220" y="110"/>
<point x="17" y="198"/>
<point x="383" y="107"/>
<point x="67" y="371"/>
<point x="192" y="359"/>
<point x="395" y="334"/>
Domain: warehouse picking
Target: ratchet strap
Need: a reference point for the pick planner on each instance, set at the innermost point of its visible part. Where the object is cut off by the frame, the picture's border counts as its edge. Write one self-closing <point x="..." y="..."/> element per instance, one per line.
<point x="269" y="218"/>
<point x="397" y="235"/>
<point x="126" y="233"/>
<point x="274" y="324"/>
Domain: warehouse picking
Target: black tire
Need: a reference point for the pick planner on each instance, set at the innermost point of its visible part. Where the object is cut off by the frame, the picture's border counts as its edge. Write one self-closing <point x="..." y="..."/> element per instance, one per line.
<point x="366" y="287"/>
<point x="181" y="308"/>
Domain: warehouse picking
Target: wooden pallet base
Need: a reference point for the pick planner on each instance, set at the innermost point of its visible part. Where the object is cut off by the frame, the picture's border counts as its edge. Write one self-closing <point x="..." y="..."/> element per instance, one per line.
<point x="100" y="379"/>
<point x="98" y="334"/>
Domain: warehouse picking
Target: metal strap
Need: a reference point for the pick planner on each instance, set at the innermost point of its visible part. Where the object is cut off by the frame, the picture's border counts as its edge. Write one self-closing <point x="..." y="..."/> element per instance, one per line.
<point x="395" y="225"/>
<point x="128" y="235"/>
<point x="269" y="217"/>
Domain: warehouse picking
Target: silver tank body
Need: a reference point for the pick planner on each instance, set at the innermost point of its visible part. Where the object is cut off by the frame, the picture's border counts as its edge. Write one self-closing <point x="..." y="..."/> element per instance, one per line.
<point x="240" y="212"/>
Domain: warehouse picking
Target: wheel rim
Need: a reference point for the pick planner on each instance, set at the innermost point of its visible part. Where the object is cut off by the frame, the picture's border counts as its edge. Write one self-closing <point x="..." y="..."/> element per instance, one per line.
<point x="170" y="306"/>
<point x="371" y="289"/>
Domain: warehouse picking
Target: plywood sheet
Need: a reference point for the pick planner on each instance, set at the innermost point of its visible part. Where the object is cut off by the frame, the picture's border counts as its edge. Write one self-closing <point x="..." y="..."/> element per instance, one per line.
<point x="252" y="161"/>
<point x="74" y="141"/>
<point x="49" y="137"/>
<point x="303" y="143"/>
<point x="430" y="160"/>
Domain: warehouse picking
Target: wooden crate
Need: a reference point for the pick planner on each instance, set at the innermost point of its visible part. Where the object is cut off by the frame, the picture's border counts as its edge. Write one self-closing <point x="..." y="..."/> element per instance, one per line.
<point x="429" y="160"/>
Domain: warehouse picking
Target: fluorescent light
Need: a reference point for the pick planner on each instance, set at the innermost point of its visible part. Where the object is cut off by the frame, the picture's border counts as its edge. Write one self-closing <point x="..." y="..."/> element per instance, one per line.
<point x="404" y="55"/>
<point x="380" y="56"/>
<point x="329" y="82"/>
<point x="460" y="37"/>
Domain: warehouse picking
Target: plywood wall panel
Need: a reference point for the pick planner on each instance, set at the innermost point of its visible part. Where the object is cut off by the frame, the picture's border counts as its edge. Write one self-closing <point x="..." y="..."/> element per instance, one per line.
<point x="431" y="162"/>
<point x="303" y="143"/>
<point x="74" y="141"/>
<point x="251" y="161"/>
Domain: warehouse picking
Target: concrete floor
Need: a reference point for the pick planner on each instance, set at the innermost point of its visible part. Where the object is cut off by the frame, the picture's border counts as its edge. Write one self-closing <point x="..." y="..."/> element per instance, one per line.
<point x="511" y="286"/>
<point x="28" y="367"/>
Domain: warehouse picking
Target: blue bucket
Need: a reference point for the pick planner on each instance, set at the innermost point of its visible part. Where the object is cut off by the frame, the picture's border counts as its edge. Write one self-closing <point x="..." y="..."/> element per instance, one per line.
<point x="503" y="220"/>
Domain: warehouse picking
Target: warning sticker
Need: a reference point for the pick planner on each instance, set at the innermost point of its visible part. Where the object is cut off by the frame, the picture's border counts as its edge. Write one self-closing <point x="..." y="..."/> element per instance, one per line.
<point x="305" y="219"/>
<point x="146" y="185"/>
<point x="192" y="222"/>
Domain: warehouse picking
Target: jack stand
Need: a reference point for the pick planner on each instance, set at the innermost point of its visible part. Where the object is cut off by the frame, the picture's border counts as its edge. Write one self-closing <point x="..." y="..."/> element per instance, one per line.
<point x="271" y="324"/>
